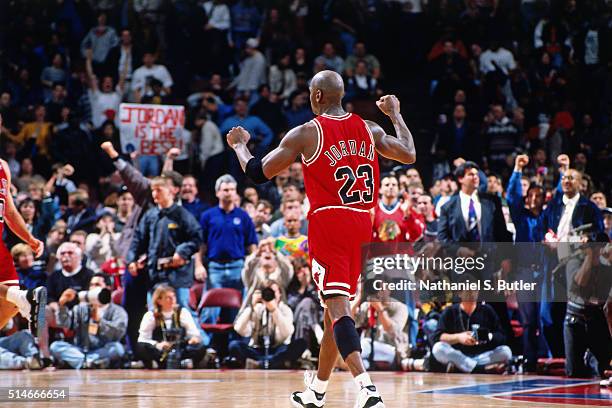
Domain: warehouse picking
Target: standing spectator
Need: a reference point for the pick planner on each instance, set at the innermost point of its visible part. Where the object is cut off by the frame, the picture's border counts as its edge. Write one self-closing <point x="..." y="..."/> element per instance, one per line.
<point x="101" y="39"/>
<point x="217" y="33"/>
<point x="458" y="138"/>
<point x="290" y="204"/>
<point x="263" y="214"/>
<point x="168" y="236"/>
<point x="141" y="78"/>
<point x="190" y="199"/>
<point x="98" y="329"/>
<point x="282" y="79"/>
<point x="261" y="134"/>
<point x="103" y="98"/>
<point x="426" y="209"/>
<point x="125" y="207"/>
<point x="80" y="216"/>
<point x="456" y="345"/>
<point x="502" y="139"/>
<point x="270" y="109"/>
<point x="329" y="60"/>
<point x="252" y="71"/>
<point x="246" y="21"/>
<point x="229" y="235"/>
<point x="299" y="111"/>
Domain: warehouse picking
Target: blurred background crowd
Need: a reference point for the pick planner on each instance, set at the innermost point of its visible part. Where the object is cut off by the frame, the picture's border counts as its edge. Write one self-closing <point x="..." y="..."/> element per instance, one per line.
<point x="512" y="99"/>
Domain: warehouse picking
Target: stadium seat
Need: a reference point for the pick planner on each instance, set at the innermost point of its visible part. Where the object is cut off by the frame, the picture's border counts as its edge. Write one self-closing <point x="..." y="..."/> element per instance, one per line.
<point x="117" y="296"/>
<point x="195" y="295"/>
<point x="220" y="297"/>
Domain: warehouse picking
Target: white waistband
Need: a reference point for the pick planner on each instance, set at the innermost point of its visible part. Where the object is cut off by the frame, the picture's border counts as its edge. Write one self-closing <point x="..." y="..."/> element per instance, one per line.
<point x="340" y="207"/>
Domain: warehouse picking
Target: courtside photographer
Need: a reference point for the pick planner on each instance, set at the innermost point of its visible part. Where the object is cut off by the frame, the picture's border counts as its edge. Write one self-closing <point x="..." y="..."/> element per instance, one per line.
<point x="98" y="327"/>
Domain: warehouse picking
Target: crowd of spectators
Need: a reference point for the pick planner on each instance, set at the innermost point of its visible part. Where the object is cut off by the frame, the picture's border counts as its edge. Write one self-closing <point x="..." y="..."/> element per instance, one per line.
<point x="510" y="104"/>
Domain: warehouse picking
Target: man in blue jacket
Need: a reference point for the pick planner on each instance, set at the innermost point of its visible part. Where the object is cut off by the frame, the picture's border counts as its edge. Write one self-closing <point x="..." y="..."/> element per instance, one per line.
<point x="168" y="235"/>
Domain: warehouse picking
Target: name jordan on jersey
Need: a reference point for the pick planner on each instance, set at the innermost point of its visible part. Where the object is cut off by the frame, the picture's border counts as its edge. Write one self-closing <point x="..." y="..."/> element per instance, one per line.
<point x="336" y="153"/>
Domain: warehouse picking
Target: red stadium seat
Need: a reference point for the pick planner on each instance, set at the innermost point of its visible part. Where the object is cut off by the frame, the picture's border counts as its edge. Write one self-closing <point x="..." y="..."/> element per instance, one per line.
<point x="195" y="294"/>
<point x="117" y="296"/>
<point x="220" y="297"/>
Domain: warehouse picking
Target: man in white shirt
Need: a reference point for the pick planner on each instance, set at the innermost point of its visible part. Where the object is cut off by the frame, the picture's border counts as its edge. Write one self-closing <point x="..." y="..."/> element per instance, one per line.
<point x="103" y="99"/>
<point x="499" y="56"/>
<point x="141" y="77"/>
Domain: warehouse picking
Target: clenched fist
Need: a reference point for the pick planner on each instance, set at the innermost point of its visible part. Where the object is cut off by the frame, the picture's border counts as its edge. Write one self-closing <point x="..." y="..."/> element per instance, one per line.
<point x="521" y="161"/>
<point x="564" y="162"/>
<point x="236" y="136"/>
<point x="389" y="105"/>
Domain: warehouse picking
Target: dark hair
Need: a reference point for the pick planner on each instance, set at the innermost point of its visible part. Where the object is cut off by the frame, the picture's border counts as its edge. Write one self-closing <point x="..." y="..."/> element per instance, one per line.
<point x="175" y="177"/>
<point x="266" y="204"/>
<point x="536" y="185"/>
<point x="468" y="165"/>
<point x="106" y="277"/>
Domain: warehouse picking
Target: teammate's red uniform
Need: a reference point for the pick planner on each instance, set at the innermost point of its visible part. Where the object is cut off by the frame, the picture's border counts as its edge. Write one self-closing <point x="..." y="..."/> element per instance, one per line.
<point x="8" y="274"/>
<point x="341" y="181"/>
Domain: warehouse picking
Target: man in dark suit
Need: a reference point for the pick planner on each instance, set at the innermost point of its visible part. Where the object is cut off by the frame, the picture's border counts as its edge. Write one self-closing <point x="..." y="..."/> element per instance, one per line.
<point x="474" y="217"/>
<point x="471" y="216"/>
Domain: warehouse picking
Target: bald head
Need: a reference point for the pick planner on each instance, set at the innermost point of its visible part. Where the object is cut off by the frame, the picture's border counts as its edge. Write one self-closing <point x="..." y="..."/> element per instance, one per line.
<point x="326" y="90"/>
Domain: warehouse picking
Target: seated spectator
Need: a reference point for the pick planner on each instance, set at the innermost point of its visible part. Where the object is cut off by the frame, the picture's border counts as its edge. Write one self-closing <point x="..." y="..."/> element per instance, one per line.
<point x="290" y="204"/>
<point x="18" y="352"/>
<point x="32" y="273"/>
<point x="268" y="322"/>
<point x="98" y="324"/>
<point x="53" y="74"/>
<point x="470" y="338"/>
<point x="329" y="60"/>
<point x="141" y="78"/>
<point x="100" y="247"/>
<point x="27" y="175"/>
<point x="71" y="274"/>
<point x="382" y="319"/>
<point x="360" y="54"/>
<point x="167" y="330"/>
<point x="37" y="221"/>
<point x="361" y="85"/>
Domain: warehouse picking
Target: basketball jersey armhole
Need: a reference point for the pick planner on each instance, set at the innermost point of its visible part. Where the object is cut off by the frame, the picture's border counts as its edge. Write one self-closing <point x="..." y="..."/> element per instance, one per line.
<point x="317" y="152"/>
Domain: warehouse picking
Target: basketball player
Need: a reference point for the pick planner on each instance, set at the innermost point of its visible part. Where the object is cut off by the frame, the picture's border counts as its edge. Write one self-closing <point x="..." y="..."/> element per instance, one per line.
<point x="30" y="303"/>
<point x="339" y="154"/>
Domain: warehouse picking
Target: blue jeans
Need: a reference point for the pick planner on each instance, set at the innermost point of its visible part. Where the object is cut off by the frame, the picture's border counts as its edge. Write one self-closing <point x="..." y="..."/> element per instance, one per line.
<point x="445" y="353"/>
<point x="15" y="349"/>
<point x="149" y="165"/>
<point x="75" y="357"/>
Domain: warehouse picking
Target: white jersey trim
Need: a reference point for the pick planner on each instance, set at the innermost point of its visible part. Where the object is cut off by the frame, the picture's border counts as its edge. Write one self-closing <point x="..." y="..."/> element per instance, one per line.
<point x="335" y="292"/>
<point x="10" y="282"/>
<point x="383" y="209"/>
<point x="341" y="117"/>
<point x="341" y="207"/>
<point x="369" y="133"/>
<point x="340" y="284"/>
<point x="317" y="152"/>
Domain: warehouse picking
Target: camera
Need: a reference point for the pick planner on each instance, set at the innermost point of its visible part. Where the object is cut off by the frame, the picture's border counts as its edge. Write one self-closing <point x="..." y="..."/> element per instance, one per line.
<point x="95" y="297"/>
<point x="173" y="357"/>
<point x="267" y="294"/>
<point x="480" y="334"/>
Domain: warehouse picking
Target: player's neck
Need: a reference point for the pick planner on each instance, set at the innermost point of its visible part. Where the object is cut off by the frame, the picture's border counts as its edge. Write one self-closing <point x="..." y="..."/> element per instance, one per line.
<point x="335" y="110"/>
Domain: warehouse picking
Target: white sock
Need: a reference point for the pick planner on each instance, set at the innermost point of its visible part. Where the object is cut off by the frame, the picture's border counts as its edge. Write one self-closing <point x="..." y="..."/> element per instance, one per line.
<point x="17" y="297"/>
<point x="318" y="385"/>
<point x="363" y="380"/>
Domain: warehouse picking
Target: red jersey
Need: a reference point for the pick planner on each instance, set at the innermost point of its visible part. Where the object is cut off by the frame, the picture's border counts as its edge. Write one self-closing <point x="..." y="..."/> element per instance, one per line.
<point x="393" y="226"/>
<point x="343" y="172"/>
<point x="4" y="192"/>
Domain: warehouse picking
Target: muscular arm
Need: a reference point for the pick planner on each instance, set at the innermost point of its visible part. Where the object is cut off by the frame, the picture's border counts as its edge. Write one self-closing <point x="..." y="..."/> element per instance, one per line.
<point x="13" y="219"/>
<point x="278" y="159"/>
<point x="400" y="148"/>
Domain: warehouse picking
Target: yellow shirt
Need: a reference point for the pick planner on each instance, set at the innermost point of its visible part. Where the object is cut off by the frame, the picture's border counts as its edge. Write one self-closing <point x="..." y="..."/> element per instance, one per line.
<point x="34" y="130"/>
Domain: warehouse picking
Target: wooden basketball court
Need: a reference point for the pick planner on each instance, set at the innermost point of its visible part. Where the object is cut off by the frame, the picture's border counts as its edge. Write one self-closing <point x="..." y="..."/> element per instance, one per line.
<point x="254" y="389"/>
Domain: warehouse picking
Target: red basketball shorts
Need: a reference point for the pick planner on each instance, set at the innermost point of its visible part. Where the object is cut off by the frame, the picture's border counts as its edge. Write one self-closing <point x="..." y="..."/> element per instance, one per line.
<point x="8" y="274"/>
<point x="335" y="237"/>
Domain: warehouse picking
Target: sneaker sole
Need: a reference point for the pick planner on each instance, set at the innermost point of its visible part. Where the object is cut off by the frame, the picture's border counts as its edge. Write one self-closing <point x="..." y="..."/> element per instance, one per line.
<point x="41" y="302"/>
<point x="297" y="404"/>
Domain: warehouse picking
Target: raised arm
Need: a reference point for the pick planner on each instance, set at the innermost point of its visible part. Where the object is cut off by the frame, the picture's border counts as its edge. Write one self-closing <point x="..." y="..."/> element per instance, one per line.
<point x="278" y="159"/>
<point x="400" y="148"/>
